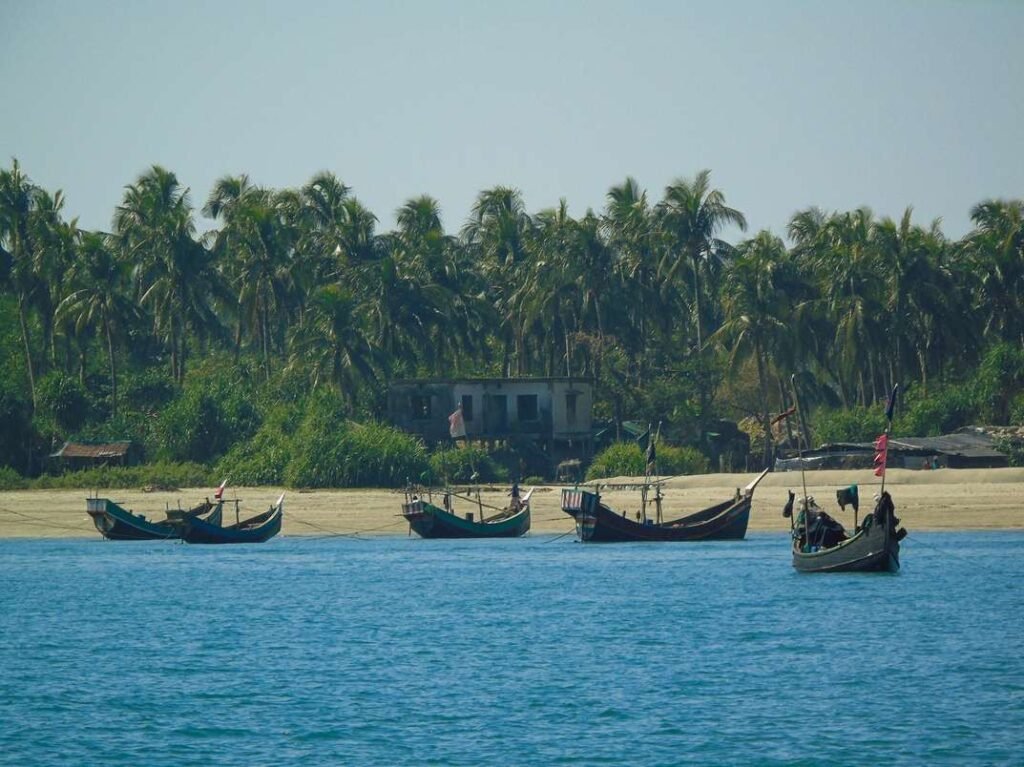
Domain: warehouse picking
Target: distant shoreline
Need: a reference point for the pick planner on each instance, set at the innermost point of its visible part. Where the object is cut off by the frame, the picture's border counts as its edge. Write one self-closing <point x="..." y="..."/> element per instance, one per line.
<point x="946" y="499"/>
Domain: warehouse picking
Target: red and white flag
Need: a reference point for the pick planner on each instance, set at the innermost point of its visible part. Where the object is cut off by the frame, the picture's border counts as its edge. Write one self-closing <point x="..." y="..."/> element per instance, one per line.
<point x="456" y="426"/>
<point x="220" y="490"/>
<point x="881" y="454"/>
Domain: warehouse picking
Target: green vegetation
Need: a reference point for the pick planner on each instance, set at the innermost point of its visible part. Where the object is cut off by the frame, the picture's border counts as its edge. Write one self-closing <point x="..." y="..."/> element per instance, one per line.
<point x="262" y="348"/>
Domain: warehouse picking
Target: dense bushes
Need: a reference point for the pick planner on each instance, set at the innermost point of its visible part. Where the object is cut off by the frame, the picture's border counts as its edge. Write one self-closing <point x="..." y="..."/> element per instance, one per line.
<point x="460" y="464"/>
<point x="625" y="459"/>
<point x="158" y="475"/>
<point x="329" y="451"/>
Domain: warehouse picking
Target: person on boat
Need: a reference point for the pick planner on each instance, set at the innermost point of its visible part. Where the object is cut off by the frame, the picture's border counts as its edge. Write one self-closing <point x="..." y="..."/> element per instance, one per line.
<point x="820" y="529"/>
<point x="516" y="503"/>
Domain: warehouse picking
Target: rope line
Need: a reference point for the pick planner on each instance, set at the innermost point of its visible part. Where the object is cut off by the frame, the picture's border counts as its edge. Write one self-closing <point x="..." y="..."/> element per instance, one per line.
<point x="44" y="523"/>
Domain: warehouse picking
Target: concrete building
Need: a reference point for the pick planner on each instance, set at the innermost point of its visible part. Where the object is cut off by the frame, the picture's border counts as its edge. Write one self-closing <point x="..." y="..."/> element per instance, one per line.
<point x="553" y="413"/>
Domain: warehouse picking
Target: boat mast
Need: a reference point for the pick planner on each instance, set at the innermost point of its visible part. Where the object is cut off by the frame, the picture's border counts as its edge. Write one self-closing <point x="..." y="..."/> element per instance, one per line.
<point x="657" y="487"/>
<point x="889" y="410"/>
<point x="800" y="455"/>
<point x="647" y="476"/>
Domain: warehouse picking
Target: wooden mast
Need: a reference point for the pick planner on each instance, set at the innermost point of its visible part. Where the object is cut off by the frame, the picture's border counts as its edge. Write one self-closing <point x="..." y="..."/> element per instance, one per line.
<point x="800" y="454"/>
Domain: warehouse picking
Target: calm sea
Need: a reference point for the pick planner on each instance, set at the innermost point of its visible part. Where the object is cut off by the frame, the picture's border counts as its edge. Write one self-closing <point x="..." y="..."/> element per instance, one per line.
<point x="533" y="651"/>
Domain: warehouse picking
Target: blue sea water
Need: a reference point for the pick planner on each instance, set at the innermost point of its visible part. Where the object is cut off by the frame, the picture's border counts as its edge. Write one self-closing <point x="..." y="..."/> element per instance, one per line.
<point x="532" y="651"/>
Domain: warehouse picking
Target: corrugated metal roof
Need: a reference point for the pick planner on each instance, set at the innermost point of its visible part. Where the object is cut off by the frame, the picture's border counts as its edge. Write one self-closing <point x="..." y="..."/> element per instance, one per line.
<point x="967" y="443"/>
<point x="83" y="450"/>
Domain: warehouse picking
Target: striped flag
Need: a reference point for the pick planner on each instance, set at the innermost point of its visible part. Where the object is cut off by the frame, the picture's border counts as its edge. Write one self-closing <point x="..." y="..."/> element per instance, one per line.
<point x="881" y="454"/>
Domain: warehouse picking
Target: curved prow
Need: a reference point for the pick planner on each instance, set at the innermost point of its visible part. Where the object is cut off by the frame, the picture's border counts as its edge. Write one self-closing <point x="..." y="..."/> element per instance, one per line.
<point x="525" y="500"/>
<point x="748" y="491"/>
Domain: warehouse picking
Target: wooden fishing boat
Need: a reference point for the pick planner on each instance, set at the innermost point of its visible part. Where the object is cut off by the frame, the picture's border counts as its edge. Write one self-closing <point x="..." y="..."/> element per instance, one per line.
<point x="874" y="547"/>
<point x="257" y="529"/>
<point x="821" y="545"/>
<point x="430" y="521"/>
<point x="597" y="523"/>
<point x="116" y="523"/>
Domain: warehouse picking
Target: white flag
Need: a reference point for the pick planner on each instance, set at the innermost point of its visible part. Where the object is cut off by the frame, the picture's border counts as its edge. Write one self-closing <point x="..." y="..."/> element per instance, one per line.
<point x="456" y="426"/>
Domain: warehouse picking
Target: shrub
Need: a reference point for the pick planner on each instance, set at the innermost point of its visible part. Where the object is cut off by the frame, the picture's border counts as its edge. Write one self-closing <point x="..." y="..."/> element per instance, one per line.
<point x="622" y="459"/>
<point x="460" y="463"/>
<point x="148" y="475"/>
<point x="857" y="424"/>
<point x="61" y="404"/>
<point x="682" y="460"/>
<point x="331" y="452"/>
<point x="11" y="480"/>
<point x="204" y="422"/>
<point x="263" y="459"/>
<point x="944" y="411"/>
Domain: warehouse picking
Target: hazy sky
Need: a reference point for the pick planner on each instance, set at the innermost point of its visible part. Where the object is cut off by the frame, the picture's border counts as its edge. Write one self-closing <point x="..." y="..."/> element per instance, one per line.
<point x="790" y="104"/>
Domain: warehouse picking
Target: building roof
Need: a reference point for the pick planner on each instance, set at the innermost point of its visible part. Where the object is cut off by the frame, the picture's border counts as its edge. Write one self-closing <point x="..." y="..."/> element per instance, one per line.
<point x="94" y="450"/>
<point x="968" y="442"/>
<point x="522" y="379"/>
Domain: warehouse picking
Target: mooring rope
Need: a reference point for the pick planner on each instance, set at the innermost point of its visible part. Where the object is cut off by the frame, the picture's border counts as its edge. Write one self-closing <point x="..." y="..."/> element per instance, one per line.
<point x="44" y="523"/>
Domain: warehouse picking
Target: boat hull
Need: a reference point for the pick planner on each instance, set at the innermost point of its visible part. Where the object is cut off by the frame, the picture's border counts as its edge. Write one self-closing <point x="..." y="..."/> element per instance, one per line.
<point x="257" y="529"/>
<point x="429" y="521"/>
<point x="118" y="524"/>
<point x="597" y="523"/>
<point x="876" y="550"/>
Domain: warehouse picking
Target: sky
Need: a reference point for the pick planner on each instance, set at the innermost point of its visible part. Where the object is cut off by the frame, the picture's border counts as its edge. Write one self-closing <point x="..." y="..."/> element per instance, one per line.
<point x="788" y="104"/>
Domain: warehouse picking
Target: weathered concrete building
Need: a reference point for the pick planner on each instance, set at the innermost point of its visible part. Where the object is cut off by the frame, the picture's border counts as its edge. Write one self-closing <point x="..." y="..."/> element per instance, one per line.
<point x="555" y="413"/>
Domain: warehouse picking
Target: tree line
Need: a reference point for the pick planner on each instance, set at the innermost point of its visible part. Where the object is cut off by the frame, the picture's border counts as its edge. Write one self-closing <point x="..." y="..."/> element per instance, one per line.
<point x="646" y="296"/>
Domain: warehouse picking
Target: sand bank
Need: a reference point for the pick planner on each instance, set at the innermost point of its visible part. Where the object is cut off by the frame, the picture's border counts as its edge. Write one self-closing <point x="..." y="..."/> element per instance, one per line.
<point x="947" y="499"/>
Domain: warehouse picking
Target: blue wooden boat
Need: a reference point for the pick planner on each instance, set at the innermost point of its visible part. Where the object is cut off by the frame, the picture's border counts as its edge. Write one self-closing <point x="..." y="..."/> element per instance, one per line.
<point x="257" y="529"/>
<point x="873" y="548"/>
<point x="430" y="521"/>
<point x="596" y="522"/>
<point x="117" y="523"/>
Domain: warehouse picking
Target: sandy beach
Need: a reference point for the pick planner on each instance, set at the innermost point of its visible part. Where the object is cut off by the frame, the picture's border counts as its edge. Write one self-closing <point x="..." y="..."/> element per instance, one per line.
<point x="947" y="499"/>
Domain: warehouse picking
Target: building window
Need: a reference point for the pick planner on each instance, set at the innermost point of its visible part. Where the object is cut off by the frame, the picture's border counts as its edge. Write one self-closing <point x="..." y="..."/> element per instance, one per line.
<point x="526" y="405"/>
<point x="420" y="407"/>
<point x="570" y="408"/>
<point x="467" y="407"/>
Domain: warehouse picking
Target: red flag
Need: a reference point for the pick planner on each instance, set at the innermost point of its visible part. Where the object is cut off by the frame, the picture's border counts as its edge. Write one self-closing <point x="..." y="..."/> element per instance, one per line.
<point x="881" y="454"/>
<point x="456" y="426"/>
<point x="220" y="490"/>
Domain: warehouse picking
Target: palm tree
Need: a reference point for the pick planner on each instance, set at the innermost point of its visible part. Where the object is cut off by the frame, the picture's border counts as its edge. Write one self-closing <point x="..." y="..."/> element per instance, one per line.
<point x="173" y="273"/>
<point x="333" y="345"/>
<point x="631" y="233"/>
<point x="761" y="287"/>
<point x="690" y="217"/>
<point x="997" y="249"/>
<point x="17" y="201"/>
<point x="255" y="248"/>
<point x="98" y="298"/>
<point x="498" y="233"/>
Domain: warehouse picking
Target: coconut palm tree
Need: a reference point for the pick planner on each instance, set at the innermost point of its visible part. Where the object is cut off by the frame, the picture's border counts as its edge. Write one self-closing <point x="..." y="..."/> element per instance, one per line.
<point x="761" y="287"/>
<point x="255" y="248"/>
<point x="98" y="297"/>
<point x="498" y="234"/>
<point x="996" y="246"/>
<point x="172" y="271"/>
<point x="691" y="216"/>
<point x="17" y="201"/>
<point x="333" y="345"/>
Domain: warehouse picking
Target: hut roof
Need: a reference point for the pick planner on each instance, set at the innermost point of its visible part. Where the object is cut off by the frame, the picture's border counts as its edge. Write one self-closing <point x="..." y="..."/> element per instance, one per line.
<point x="93" y="450"/>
